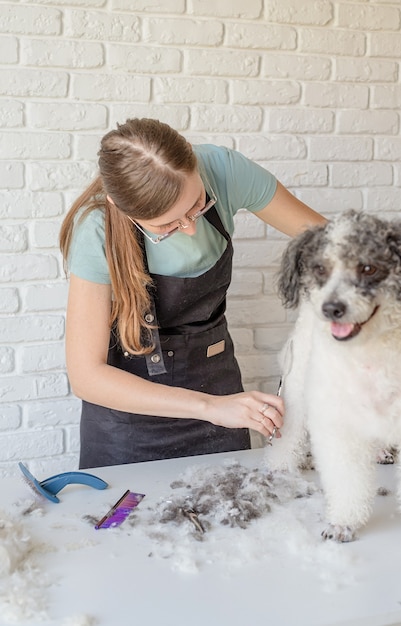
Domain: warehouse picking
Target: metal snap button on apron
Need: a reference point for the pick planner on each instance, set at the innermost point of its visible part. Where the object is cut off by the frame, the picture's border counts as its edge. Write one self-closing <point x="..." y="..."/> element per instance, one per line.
<point x="155" y="358"/>
<point x="149" y="318"/>
<point x="170" y="353"/>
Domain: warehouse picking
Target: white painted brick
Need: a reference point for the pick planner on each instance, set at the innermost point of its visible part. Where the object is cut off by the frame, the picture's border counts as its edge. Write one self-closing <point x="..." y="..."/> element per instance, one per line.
<point x="144" y="59"/>
<point x="177" y="116"/>
<point x="26" y="20"/>
<point x="201" y="90"/>
<point x="248" y="226"/>
<point x="386" y="96"/>
<point x="56" y="53"/>
<point x="243" y="340"/>
<point x="182" y="32"/>
<point x="270" y="279"/>
<point x="365" y="70"/>
<point x="9" y="300"/>
<point x="383" y="199"/>
<point x="388" y="149"/>
<point x="51" y="385"/>
<point x="48" y="467"/>
<point x="361" y="174"/>
<point x="301" y="120"/>
<point x="22" y="388"/>
<point x="102" y="25"/>
<point x="397" y="174"/>
<point x="11" y="113"/>
<point x="336" y="42"/>
<point x="49" y="176"/>
<point x="226" y="119"/>
<point x="41" y="358"/>
<point x="108" y="87"/>
<point x="221" y="62"/>
<point x="13" y="238"/>
<point x="53" y="413"/>
<point x="266" y="147"/>
<point x="67" y="116"/>
<point x="328" y="201"/>
<point x="24" y="204"/>
<point x="271" y="339"/>
<point x="10" y="417"/>
<point x="260" y="254"/>
<point x="72" y="439"/>
<point x="45" y="297"/>
<point x="368" y="17"/>
<point x="11" y="176"/>
<point x="263" y="36"/>
<point x="295" y="66"/>
<point x="368" y="122"/>
<point x="252" y="312"/>
<point x="226" y="8"/>
<point x="30" y="445"/>
<point x="258" y="92"/>
<point x="45" y="234"/>
<point x="8" y="49"/>
<point x="301" y="174"/>
<point x="33" y="83"/>
<point x="78" y="3"/>
<point x="219" y="140"/>
<point x="86" y="146"/>
<point x="152" y="6"/>
<point x="27" y="145"/>
<point x="340" y="148"/>
<point x="246" y="283"/>
<point x="26" y="328"/>
<point x="385" y="44"/>
<point x="27" y="267"/>
<point x="7" y="360"/>
<point x="335" y="95"/>
<point x="257" y="366"/>
<point x="313" y="12"/>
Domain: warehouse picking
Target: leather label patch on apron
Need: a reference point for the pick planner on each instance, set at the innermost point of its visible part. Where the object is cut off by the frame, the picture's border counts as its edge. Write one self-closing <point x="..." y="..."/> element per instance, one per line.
<point x="216" y="348"/>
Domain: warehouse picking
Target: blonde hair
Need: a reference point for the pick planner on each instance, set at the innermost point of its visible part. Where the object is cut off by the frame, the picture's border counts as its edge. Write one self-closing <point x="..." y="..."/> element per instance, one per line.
<point x="143" y="167"/>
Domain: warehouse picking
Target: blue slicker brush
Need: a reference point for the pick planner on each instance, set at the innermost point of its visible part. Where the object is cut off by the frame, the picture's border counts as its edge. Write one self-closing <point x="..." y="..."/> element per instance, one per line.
<point x="52" y="485"/>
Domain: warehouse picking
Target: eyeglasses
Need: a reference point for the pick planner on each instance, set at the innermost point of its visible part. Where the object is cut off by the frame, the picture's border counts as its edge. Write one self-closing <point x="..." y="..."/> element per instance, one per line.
<point x="181" y="226"/>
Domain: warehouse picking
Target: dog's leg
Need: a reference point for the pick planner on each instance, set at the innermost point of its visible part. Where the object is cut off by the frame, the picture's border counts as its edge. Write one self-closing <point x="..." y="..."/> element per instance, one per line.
<point x="347" y="472"/>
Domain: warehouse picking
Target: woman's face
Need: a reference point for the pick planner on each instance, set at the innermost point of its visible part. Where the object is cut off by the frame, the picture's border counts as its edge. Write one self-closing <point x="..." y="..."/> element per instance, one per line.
<point x="178" y="217"/>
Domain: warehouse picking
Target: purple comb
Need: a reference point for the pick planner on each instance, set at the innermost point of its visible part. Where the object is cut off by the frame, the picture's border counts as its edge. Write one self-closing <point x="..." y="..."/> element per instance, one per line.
<point x="120" y="510"/>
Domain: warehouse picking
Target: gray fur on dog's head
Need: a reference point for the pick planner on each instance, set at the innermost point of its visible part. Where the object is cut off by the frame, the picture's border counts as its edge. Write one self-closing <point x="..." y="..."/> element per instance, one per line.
<point x="352" y="234"/>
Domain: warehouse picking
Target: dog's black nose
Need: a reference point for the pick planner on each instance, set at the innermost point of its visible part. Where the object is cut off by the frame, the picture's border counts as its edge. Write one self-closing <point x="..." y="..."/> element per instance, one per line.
<point x="334" y="310"/>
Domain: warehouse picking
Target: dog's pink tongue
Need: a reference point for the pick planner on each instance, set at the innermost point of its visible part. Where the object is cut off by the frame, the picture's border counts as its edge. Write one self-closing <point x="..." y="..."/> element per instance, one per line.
<point x="341" y="330"/>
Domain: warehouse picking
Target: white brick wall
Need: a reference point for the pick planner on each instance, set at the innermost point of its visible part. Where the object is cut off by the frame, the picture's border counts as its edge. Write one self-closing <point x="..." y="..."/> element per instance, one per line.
<point x="310" y="90"/>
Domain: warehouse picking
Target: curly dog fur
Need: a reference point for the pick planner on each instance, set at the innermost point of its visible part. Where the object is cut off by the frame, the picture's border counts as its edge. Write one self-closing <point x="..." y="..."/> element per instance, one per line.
<point x="342" y="363"/>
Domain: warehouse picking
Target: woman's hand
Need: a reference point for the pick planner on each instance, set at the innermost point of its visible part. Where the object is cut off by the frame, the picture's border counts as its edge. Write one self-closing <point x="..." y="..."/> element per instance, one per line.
<point x="259" y="411"/>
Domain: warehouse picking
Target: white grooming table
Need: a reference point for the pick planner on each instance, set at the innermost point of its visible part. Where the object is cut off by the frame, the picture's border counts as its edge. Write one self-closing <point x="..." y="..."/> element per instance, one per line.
<point x="114" y="577"/>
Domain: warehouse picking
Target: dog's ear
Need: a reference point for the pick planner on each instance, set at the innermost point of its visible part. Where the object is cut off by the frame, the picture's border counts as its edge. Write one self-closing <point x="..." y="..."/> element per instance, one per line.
<point x="291" y="269"/>
<point x="394" y="241"/>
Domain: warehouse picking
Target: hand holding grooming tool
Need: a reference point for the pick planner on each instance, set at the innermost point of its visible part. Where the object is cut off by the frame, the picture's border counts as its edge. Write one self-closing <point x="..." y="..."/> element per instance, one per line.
<point x="52" y="485"/>
<point x="120" y="510"/>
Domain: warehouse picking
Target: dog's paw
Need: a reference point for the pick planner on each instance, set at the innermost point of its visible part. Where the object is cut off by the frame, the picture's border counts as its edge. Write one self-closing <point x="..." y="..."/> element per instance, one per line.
<point x="385" y="457"/>
<point x="342" y="534"/>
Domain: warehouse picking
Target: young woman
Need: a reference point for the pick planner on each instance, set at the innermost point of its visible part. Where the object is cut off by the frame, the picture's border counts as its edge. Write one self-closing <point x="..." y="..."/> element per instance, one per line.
<point x="148" y="247"/>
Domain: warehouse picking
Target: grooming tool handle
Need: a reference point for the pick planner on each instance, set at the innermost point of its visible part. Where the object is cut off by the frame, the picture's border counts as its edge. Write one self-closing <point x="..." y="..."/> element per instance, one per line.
<point x="54" y="484"/>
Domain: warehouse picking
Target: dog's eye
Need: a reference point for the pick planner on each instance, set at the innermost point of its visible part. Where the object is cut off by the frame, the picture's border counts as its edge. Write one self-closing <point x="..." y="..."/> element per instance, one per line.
<point x="367" y="270"/>
<point x="319" y="270"/>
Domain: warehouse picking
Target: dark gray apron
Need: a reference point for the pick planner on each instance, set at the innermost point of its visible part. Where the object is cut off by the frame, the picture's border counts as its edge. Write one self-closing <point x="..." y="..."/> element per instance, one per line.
<point x="194" y="350"/>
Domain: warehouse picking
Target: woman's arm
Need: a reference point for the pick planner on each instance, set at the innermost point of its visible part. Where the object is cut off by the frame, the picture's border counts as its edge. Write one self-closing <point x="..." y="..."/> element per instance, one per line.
<point x="92" y="379"/>
<point x="288" y="214"/>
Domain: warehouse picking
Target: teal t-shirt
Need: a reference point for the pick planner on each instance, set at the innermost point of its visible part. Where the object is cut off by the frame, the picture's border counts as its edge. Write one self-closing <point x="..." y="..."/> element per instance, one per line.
<point x="238" y="184"/>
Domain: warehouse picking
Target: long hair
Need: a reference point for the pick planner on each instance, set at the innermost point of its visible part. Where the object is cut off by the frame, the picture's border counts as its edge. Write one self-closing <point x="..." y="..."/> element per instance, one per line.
<point x="143" y="167"/>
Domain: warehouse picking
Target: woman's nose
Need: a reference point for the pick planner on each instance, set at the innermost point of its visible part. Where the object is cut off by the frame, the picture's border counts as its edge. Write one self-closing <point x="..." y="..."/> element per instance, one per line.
<point x="188" y="226"/>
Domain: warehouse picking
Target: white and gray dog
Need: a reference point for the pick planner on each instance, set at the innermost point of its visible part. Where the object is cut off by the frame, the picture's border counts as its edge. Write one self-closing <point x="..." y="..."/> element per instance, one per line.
<point x="342" y="363"/>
